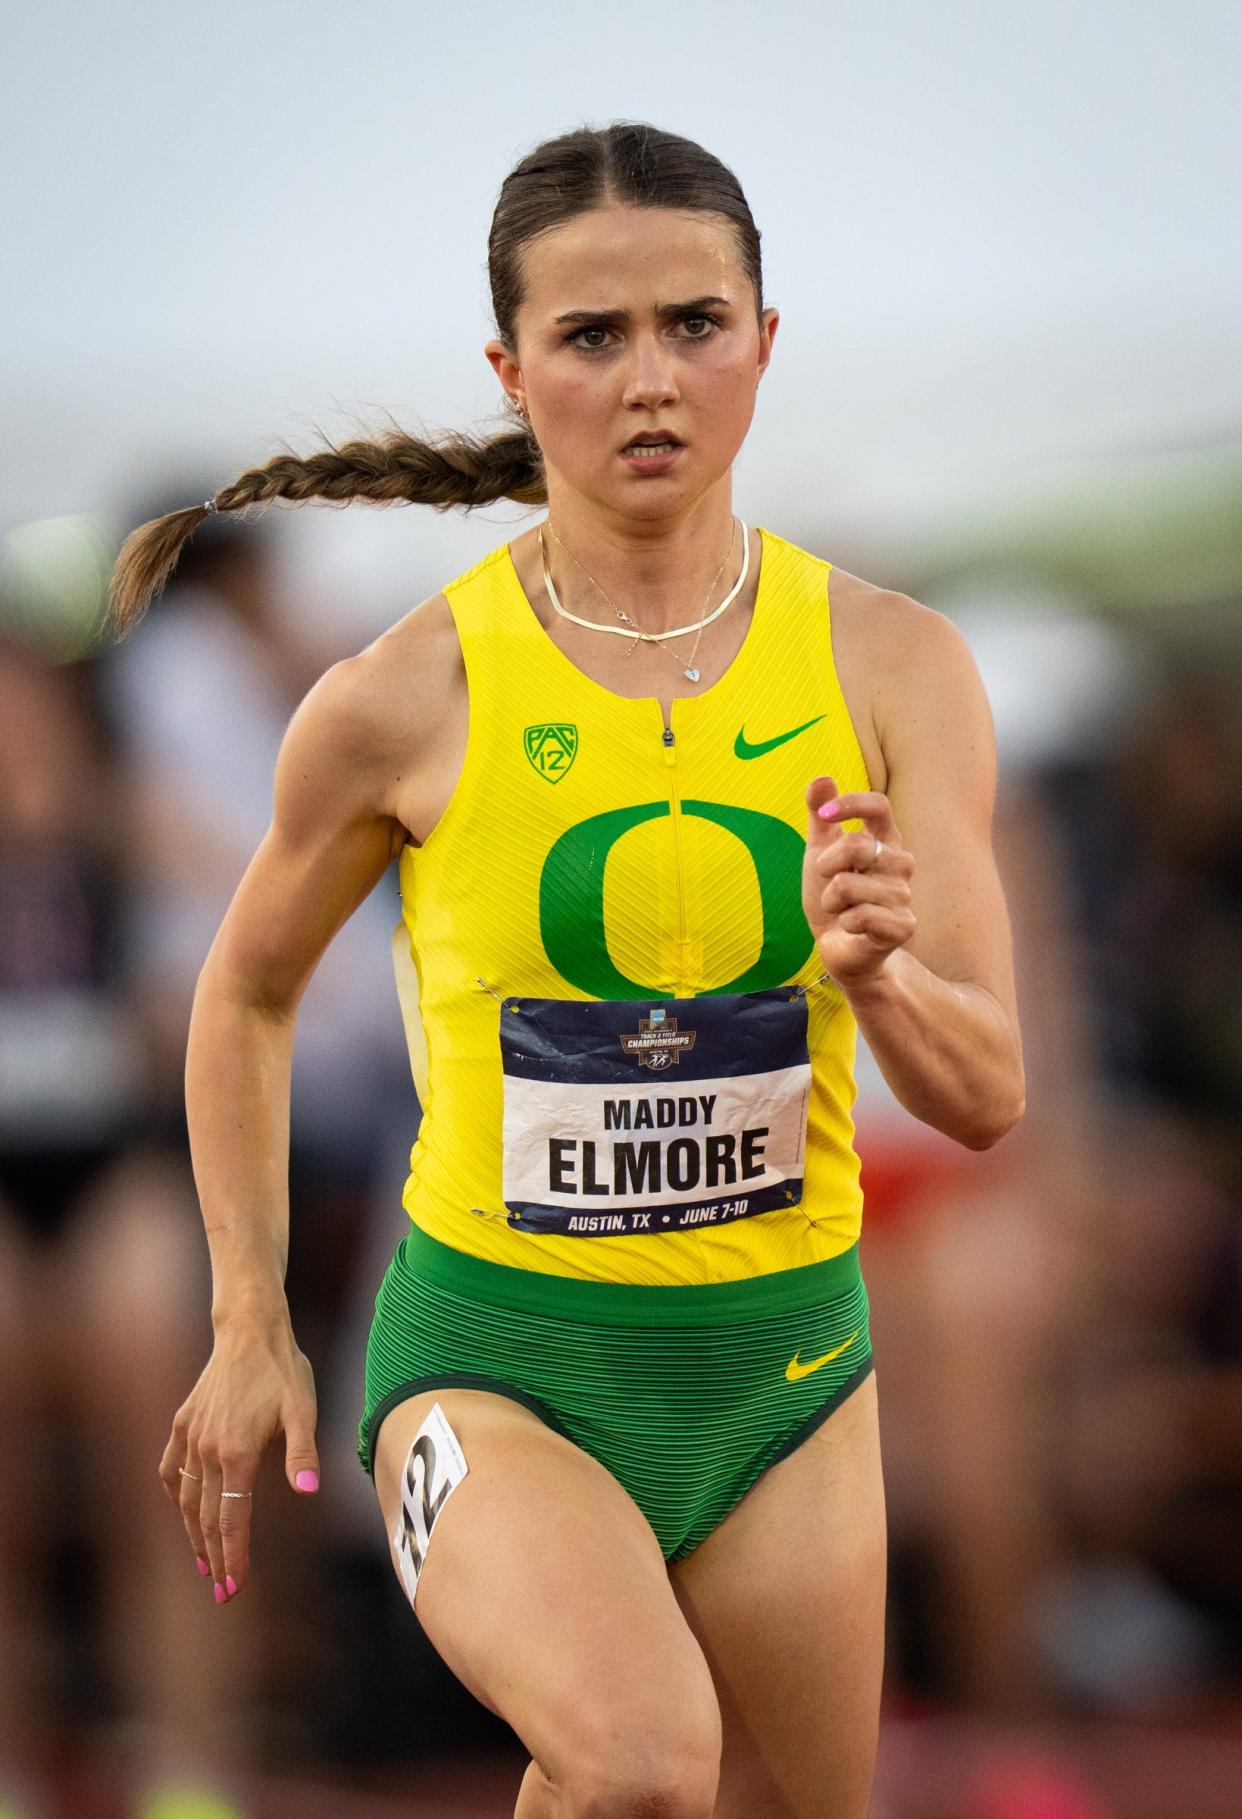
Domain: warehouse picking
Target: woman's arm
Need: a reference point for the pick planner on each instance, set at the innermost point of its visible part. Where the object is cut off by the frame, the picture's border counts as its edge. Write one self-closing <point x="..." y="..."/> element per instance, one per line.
<point x="328" y="845"/>
<point x="920" y="945"/>
<point x="330" y="840"/>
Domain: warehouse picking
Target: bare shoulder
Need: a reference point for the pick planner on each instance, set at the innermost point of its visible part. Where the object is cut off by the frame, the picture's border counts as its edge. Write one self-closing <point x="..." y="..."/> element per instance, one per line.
<point x="884" y="626"/>
<point x="373" y="720"/>
<point x="414" y="677"/>
<point x="893" y="656"/>
<point x="411" y="665"/>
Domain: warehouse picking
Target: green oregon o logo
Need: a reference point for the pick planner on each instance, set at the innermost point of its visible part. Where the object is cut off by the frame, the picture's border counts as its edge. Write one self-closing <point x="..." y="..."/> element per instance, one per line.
<point x="571" y="898"/>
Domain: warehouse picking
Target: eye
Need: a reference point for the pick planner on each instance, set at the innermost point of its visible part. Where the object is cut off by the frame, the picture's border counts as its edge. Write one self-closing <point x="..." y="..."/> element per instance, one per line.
<point x="596" y="328"/>
<point x="590" y="329"/>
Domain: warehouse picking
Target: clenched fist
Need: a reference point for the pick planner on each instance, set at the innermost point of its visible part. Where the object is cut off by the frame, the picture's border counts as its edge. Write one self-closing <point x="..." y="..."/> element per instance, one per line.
<point x="855" y="887"/>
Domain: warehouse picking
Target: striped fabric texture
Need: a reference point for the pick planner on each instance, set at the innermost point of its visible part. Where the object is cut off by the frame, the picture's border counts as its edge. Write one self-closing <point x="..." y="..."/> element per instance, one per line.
<point x="685" y="1393"/>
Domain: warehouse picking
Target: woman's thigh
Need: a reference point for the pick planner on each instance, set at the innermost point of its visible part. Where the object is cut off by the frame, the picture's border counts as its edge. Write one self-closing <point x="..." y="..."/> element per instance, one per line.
<point x="543" y="1588"/>
<point x="786" y="1598"/>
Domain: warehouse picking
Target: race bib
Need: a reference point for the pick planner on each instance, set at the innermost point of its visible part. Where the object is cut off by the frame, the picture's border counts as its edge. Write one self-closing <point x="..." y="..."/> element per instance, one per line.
<point x="622" y="1116"/>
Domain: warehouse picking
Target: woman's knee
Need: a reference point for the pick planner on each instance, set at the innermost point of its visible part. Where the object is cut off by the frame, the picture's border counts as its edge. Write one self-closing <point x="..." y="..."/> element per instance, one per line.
<point x="635" y="1774"/>
<point x="655" y="1759"/>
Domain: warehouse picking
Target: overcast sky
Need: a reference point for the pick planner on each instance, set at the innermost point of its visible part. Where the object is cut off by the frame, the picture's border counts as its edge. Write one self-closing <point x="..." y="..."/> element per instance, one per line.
<point x="999" y="237"/>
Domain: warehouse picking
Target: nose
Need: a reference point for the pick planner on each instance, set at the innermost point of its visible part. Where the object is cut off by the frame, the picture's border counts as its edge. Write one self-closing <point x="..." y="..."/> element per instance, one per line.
<point x="650" y="380"/>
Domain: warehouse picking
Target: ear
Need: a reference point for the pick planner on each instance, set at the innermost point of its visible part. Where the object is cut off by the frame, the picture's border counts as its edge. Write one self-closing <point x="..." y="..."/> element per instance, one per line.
<point x="770" y="322"/>
<point x="505" y="367"/>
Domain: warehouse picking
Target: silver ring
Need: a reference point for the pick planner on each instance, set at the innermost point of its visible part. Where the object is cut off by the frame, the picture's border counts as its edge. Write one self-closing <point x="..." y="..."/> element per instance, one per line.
<point x="237" y="1493"/>
<point x="879" y="848"/>
<point x="186" y="1474"/>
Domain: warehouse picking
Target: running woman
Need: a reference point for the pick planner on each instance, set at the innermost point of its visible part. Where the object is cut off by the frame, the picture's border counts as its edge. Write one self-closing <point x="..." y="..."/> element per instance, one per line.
<point x="679" y="807"/>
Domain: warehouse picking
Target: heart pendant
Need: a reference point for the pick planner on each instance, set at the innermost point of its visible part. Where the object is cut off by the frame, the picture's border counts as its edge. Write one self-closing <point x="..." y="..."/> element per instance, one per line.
<point x="693" y="674"/>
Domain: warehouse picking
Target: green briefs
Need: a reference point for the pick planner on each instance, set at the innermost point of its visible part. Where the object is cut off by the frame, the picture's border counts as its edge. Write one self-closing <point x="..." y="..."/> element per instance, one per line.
<point x="683" y="1393"/>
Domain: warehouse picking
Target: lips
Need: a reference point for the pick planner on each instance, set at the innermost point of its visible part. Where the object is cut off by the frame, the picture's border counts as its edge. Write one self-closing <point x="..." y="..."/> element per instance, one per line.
<point x="651" y="440"/>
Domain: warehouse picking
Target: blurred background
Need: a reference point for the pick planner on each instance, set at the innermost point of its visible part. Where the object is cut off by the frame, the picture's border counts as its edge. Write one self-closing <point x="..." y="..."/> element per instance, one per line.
<point x="1008" y="381"/>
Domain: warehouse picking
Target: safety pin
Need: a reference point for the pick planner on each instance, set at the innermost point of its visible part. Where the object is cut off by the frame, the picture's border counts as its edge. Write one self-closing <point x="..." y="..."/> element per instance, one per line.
<point x="505" y="1004"/>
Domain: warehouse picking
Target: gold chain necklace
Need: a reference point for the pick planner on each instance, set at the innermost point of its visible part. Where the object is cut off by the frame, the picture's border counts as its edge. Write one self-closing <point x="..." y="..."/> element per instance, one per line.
<point x="629" y="629"/>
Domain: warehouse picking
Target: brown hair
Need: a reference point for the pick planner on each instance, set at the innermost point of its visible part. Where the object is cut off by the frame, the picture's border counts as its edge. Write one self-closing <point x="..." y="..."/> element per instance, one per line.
<point x="628" y="162"/>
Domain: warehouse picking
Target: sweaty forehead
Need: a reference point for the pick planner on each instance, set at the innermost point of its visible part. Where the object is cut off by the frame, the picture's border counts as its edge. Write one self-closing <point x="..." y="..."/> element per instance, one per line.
<point x="632" y="258"/>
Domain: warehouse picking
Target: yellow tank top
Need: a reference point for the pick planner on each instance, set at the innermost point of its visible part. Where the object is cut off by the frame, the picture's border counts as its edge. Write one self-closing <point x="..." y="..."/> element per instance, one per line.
<point x="631" y="1065"/>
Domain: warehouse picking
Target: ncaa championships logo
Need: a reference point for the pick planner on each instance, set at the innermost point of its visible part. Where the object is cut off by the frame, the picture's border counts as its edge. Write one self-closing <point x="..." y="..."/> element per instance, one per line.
<point x="658" y="1043"/>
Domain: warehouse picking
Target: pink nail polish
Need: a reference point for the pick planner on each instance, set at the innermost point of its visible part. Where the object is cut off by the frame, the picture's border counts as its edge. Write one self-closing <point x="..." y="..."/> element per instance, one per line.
<point x="221" y="1594"/>
<point x="231" y="1583"/>
<point x="827" y="810"/>
<point x="203" y="1566"/>
<point x="307" y="1481"/>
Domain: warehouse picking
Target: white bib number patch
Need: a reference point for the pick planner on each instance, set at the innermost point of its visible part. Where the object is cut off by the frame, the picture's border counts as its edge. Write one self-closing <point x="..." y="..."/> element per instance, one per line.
<point x="623" y="1117"/>
<point x="435" y="1465"/>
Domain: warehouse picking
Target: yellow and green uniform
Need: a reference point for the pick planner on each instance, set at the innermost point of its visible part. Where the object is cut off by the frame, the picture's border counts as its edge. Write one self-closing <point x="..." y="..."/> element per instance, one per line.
<point x="636" y="1081"/>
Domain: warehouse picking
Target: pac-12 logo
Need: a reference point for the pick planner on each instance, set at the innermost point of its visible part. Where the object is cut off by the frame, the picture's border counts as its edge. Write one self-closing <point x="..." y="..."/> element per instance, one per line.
<point x="552" y="749"/>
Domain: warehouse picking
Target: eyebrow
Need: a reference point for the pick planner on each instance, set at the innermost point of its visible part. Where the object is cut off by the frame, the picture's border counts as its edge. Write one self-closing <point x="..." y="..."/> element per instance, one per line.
<point x="604" y="317"/>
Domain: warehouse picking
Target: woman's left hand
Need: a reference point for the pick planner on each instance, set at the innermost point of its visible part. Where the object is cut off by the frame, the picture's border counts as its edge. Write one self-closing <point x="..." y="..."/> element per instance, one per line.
<point x="855" y="887"/>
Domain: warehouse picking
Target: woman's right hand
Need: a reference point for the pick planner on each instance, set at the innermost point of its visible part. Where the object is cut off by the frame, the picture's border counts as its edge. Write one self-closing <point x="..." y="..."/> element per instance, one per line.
<point x="255" y="1384"/>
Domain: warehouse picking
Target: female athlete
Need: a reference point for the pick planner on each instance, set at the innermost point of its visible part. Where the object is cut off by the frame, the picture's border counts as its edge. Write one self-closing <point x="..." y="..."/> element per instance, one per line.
<point x="679" y="807"/>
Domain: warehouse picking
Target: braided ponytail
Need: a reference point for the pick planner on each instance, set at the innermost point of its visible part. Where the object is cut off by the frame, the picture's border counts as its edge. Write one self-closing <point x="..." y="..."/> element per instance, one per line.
<point x="630" y="163"/>
<point x="393" y="469"/>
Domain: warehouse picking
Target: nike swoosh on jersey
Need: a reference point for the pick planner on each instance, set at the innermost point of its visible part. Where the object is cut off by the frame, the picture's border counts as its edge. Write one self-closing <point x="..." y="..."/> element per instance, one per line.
<point x="742" y="748"/>
<point x="794" y="1370"/>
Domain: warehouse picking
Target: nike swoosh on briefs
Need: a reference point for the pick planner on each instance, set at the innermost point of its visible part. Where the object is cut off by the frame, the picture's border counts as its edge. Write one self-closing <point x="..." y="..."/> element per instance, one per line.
<point x="794" y="1370"/>
<point x="742" y="748"/>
